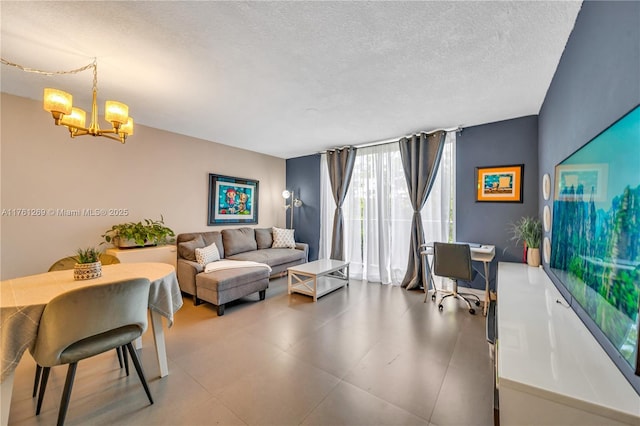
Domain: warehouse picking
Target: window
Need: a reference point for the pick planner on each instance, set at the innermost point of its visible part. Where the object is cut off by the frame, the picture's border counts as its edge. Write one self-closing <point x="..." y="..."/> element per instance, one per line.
<point x="377" y="213"/>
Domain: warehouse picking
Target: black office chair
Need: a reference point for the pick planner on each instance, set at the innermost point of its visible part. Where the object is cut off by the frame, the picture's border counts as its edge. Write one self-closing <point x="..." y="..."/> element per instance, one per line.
<point x="453" y="261"/>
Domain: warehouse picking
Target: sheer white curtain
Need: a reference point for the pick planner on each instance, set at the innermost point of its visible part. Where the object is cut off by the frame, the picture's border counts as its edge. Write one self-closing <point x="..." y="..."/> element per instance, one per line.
<point x="377" y="212"/>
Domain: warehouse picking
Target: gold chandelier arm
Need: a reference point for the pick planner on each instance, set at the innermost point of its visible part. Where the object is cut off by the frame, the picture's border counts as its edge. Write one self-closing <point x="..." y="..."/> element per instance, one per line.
<point x="120" y="139"/>
<point x="77" y="131"/>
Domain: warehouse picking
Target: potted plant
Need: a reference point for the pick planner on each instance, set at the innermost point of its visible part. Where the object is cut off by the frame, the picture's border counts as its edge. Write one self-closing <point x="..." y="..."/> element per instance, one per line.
<point x="529" y="230"/>
<point x="88" y="265"/>
<point x="148" y="232"/>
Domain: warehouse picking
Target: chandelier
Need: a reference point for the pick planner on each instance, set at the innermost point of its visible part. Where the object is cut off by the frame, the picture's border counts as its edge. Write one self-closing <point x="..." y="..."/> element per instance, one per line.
<point x="60" y="105"/>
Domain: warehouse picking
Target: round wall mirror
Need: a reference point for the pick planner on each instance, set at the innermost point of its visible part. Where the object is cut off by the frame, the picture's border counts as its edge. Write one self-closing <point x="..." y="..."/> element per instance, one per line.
<point x="546" y="186"/>
<point x="546" y="250"/>
<point x="546" y="218"/>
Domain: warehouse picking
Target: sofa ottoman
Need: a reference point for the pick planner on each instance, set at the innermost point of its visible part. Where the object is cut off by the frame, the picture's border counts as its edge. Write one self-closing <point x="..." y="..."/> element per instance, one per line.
<point x="223" y="286"/>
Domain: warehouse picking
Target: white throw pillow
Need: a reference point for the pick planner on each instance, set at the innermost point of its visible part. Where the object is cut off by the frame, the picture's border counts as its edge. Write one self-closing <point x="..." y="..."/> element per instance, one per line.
<point x="207" y="254"/>
<point x="283" y="238"/>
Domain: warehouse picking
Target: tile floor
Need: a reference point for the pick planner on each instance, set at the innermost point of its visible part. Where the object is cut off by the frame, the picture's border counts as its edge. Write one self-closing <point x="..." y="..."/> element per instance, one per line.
<point x="364" y="355"/>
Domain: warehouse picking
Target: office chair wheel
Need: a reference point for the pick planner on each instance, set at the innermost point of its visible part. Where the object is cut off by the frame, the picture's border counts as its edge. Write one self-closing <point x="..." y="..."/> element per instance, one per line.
<point x="472" y="311"/>
<point x="433" y="297"/>
<point x="477" y="303"/>
<point x="440" y="307"/>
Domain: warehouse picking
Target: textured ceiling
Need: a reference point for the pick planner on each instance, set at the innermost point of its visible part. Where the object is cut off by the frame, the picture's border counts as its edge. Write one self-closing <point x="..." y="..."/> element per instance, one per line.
<point x="293" y="78"/>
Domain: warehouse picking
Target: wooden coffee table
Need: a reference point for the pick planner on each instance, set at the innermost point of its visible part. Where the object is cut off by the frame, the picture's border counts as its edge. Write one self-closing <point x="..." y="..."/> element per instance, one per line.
<point x="318" y="278"/>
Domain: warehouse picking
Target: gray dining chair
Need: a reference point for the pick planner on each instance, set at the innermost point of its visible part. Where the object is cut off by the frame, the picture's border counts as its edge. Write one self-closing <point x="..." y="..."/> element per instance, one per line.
<point x="86" y="322"/>
<point x="67" y="263"/>
<point x="453" y="261"/>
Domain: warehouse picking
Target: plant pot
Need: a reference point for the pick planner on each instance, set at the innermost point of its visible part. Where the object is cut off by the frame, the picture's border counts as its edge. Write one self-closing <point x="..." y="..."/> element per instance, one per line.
<point x="87" y="271"/>
<point x="126" y="243"/>
<point x="533" y="257"/>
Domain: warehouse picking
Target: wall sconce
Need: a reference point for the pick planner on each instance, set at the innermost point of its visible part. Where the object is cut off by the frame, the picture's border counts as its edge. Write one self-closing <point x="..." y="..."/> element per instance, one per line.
<point x="295" y="202"/>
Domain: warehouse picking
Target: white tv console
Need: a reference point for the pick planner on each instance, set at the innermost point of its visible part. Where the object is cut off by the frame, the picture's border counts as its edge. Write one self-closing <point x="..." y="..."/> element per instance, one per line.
<point x="550" y="369"/>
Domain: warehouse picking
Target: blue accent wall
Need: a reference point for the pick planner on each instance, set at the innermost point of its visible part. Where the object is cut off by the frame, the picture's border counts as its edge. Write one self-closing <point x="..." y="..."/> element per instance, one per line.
<point x="495" y="144"/>
<point x="303" y="177"/>
<point x="597" y="82"/>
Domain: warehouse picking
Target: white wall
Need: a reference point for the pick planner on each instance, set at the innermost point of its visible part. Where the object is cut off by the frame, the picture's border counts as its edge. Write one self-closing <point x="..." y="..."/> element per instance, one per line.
<point x="156" y="172"/>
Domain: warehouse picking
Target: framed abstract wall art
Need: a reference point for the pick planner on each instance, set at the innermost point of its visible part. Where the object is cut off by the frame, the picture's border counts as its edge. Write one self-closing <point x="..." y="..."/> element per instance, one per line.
<point x="232" y="200"/>
<point x="499" y="184"/>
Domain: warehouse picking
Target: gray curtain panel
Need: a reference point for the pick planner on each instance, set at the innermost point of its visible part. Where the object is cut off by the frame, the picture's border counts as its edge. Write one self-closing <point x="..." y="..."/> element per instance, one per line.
<point x="420" y="160"/>
<point x="340" y="162"/>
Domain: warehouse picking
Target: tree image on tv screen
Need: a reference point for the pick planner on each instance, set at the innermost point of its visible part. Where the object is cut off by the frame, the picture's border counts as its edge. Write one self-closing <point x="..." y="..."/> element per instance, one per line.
<point x="599" y="253"/>
<point x="595" y="248"/>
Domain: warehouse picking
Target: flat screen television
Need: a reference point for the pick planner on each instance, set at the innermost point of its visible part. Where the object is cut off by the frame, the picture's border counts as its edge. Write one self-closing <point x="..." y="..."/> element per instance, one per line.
<point x="595" y="246"/>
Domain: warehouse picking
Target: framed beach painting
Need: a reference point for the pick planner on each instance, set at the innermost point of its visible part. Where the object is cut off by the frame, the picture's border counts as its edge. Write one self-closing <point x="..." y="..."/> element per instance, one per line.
<point x="232" y="200"/>
<point x="499" y="184"/>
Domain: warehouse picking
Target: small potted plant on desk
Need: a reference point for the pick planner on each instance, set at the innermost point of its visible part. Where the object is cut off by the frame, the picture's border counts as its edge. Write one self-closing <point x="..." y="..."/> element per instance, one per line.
<point x="139" y="234"/>
<point x="529" y="230"/>
<point x="88" y="265"/>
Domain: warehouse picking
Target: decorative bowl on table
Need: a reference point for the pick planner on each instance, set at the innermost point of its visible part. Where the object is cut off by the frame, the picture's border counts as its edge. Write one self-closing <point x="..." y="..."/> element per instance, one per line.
<point x="87" y="271"/>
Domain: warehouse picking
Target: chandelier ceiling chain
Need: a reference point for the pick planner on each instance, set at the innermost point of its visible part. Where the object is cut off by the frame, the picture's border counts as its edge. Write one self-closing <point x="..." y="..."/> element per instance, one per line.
<point x="37" y="71"/>
<point x="59" y="104"/>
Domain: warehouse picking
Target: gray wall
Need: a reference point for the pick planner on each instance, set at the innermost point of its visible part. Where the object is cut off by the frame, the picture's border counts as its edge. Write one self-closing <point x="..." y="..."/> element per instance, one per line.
<point x="495" y="144"/>
<point x="597" y="81"/>
<point x="303" y="177"/>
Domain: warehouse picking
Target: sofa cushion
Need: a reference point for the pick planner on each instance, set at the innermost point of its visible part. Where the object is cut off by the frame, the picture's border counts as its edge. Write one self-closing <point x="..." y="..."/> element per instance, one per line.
<point x="215" y="237"/>
<point x="238" y="241"/>
<point x="207" y="254"/>
<point x="264" y="238"/>
<point x="208" y="237"/>
<point x="272" y="256"/>
<point x="283" y="238"/>
<point x="186" y="250"/>
<point x="226" y="279"/>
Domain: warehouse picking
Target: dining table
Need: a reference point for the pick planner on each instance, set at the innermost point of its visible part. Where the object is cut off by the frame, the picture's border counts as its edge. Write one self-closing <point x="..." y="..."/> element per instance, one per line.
<point x="22" y="301"/>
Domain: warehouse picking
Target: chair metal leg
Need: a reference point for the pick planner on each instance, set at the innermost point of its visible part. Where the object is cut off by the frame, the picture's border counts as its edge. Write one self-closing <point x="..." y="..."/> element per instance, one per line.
<point x="125" y="359"/>
<point x="36" y="381"/>
<point x="475" y="300"/>
<point x="66" y="394"/>
<point x="43" y="387"/>
<point x="119" y="352"/>
<point x="136" y="363"/>
<point x="460" y="296"/>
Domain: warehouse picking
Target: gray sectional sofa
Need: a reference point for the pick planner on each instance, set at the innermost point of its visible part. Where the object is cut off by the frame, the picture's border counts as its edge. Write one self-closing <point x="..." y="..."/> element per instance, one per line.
<point x="223" y="286"/>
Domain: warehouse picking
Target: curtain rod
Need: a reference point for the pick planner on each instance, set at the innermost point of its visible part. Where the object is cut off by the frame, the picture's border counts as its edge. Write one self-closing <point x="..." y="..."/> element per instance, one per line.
<point x="393" y="140"/>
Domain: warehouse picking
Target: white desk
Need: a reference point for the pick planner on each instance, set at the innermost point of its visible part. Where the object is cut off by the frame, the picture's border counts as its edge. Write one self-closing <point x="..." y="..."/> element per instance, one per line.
<point x="22" y="301"/>
<point x="479" y="253"/>
<point x="550" y="369"/>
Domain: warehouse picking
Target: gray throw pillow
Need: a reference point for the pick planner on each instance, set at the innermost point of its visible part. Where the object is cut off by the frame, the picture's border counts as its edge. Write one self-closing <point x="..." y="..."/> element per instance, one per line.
<point x="264" y="238"/>
<point x="187" y="249"/>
